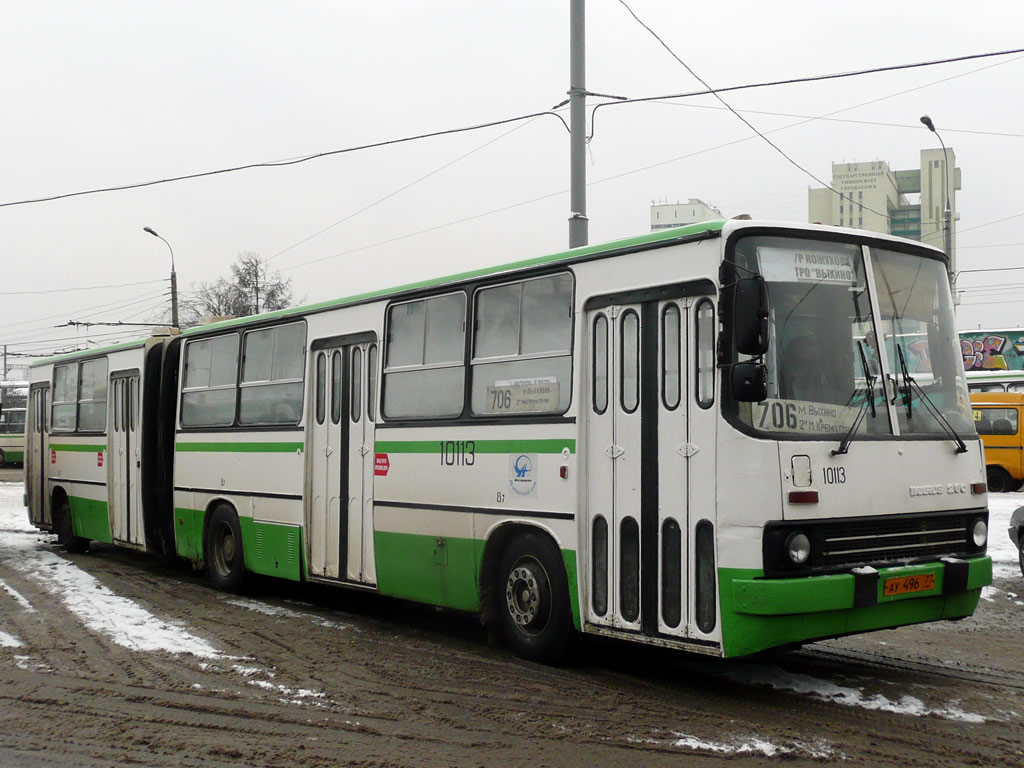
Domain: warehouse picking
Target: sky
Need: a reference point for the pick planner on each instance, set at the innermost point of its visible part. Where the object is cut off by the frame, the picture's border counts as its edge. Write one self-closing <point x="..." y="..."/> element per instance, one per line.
<point x="108" y="94"/>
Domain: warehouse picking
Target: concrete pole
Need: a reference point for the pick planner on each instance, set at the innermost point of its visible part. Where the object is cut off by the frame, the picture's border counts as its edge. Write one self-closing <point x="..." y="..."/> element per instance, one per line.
<point x="578" y="234"/>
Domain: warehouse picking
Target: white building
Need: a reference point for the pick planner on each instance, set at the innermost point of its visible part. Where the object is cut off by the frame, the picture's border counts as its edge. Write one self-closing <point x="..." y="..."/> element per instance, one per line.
<point x="665" y="215"/>
<point x="874" y="197"/>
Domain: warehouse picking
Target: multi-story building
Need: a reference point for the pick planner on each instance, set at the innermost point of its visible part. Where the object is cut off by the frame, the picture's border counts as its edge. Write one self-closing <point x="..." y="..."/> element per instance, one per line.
<point x="665" y="215"/>
<point x="874" y="197"/>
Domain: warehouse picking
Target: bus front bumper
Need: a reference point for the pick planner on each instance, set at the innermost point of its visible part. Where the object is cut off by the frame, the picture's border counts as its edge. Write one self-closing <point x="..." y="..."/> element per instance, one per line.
<point x="759" y="613"/>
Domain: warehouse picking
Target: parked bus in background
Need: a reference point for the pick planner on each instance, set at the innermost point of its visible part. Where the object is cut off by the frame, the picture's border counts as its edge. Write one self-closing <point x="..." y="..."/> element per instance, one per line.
<point x="997" y="417"/>
<point x="684" y="439"/>
<point x="995" y="381"/>
<point x="12" y="421"/>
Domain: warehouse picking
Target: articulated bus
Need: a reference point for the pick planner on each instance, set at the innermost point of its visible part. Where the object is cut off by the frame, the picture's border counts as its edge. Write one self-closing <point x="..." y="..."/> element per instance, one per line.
<point x="688" y="438"/>
<point x="12" y="421"/>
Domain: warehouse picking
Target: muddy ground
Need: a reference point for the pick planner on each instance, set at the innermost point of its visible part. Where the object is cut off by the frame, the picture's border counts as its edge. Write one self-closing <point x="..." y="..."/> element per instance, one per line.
<point x="304" y="676"/>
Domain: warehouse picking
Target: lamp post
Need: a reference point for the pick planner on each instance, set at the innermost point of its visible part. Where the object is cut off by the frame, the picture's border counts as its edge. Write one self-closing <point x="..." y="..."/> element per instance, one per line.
<point x="174" y="278"/>
<point x="947" y="222"/>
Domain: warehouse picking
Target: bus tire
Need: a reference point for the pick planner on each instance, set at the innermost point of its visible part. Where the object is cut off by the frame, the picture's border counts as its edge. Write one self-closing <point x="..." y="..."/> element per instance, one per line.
<point x="998" y="480"/>
<point x="532" y="597"/>
<point x="76" y="545"/>
<point x="225" y="561"/>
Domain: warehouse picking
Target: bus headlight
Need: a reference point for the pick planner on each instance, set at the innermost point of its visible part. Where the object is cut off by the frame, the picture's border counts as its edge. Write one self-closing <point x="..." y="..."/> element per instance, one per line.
<point x="798" y="547"/>
<point x="979" y="533"/>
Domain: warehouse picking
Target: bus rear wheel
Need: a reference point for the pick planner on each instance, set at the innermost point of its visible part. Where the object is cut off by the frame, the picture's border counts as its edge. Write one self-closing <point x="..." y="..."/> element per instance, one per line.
<point x="533" y="599"/>
<point x="225" y="561"/>
<point x="76" y="545"/>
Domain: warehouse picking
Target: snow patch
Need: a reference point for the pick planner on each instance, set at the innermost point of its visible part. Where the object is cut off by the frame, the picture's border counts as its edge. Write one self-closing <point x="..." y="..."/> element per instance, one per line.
<point x="780" y="679"/>
<point x="122" y="620"/>
<point x="25" y="604"/>
<point x="281" y="612"/>
<point x="9" y="641"/>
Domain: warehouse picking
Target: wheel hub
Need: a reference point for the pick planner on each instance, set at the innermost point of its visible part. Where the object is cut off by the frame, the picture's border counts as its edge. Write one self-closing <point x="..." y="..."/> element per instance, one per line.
<point x="524" y="595"/>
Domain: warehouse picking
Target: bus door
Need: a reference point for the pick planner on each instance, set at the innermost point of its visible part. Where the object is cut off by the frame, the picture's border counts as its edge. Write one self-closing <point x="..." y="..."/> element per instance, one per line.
<point x="340" y="513"/>
<point x="124" y="452"/>
<point x="637" y="467"/>
<point x="37" y="451"/>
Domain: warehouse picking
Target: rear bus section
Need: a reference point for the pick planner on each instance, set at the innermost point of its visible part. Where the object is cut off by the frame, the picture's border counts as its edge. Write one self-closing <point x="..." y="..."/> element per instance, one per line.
<point x="94" y="466"/>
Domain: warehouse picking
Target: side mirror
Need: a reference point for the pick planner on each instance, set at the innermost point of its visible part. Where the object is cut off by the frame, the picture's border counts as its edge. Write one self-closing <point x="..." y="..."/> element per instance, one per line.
<point x="749" y="382"/>
<point x="750" y="316"/>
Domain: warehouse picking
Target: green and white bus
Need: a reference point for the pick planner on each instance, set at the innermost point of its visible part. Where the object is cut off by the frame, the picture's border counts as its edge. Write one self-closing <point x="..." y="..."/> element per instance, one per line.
<point x="12" y="422"/>
<point x="684" y="439"/>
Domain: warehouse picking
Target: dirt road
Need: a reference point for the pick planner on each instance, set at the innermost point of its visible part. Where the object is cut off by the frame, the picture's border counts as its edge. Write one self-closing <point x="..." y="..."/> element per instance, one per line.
<point x="293" y="676"/>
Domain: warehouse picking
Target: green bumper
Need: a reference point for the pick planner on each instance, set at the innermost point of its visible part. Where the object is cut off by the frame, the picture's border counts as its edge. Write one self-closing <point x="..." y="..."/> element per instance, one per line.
<point x="759" y="613"/>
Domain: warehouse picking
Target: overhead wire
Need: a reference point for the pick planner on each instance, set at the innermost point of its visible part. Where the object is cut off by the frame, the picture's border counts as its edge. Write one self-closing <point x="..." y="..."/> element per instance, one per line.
<point x="505" y="121"/>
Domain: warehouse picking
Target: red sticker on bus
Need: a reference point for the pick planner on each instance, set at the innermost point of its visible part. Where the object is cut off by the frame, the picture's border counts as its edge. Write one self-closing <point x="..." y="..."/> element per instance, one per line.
<point x="381" y="464"/>
<point x="53" y="457"/>
<point x="99" y="459"/>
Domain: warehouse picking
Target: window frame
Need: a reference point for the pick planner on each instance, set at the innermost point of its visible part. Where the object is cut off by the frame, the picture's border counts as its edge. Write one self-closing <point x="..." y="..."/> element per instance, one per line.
<point x="78" y="400"/>
<point x="389" y="370"/>
<point x="184" y="390"/>
<point x="271" y="382"/>
<point x="519" y="356"/>
<point x="698" y="391"/>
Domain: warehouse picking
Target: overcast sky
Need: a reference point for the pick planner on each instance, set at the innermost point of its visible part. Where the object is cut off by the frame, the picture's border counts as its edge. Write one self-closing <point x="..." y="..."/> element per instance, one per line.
<point x="106" y="94"/>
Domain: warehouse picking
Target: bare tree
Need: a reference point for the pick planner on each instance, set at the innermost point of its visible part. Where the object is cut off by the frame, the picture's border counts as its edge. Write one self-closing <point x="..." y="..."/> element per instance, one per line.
<point x="251" y="288"/>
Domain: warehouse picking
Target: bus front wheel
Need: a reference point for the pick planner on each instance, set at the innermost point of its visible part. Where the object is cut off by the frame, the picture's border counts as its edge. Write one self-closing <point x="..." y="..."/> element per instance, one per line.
<point x="533" y="599"/>
<point x="76" y="545"/>
<point x="225" y="561"/>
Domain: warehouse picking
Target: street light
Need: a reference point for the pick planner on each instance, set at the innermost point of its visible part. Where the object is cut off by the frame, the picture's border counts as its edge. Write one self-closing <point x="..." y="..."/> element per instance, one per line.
<point x="948" y="215"/>
<point x="174" y="278"/>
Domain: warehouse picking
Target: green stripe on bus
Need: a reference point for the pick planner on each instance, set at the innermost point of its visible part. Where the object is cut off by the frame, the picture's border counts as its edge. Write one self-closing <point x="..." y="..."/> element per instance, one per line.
<point x="77" y="447"/>
<point x="482" y="446"/>
<point x="239" y="447"/>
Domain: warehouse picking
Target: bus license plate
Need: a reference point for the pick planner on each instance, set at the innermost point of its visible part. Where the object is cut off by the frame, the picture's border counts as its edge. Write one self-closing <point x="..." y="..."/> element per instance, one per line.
<point x="901" y="585"/>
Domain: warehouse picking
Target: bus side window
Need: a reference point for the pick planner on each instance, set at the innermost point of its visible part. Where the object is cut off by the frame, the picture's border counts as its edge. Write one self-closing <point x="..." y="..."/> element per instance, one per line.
<point x="424" y="362"/>
<point x="65" y="397"/>
<point x="209" y="388"/>
<point x="522" y="347"/>
<point x="273" y="360"/>
<point x="705" y="337"/>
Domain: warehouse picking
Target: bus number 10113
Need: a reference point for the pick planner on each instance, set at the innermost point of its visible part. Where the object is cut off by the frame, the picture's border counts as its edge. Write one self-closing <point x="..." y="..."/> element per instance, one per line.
<point x="458" y="453"/>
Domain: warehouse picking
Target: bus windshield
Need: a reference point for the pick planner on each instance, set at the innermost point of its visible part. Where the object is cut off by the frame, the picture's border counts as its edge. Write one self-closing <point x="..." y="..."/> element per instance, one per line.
<point x="835" y="367"/>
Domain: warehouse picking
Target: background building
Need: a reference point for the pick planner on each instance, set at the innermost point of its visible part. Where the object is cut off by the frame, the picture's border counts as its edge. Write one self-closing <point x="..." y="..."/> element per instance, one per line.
<point x="874" y="197"/>
<point x="665" y="215"/>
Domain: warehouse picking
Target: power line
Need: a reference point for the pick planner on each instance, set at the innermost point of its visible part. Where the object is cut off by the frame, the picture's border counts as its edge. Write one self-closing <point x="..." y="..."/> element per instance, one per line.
<point x="717" y="95"/>
<point x="80" y="288"/>
<point x="506" y="121"/>
<point x="293" y="161"/>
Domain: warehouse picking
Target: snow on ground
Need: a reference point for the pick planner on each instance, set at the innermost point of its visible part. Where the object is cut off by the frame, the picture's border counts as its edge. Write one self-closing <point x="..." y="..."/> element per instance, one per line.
<point x="124" y="621"/>
<point x="780" y="679"/>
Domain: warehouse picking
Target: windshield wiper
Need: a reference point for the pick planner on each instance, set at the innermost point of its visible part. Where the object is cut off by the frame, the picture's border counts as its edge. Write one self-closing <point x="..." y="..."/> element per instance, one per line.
<point x="908" y="383"/>
<point x="869" y="390"/>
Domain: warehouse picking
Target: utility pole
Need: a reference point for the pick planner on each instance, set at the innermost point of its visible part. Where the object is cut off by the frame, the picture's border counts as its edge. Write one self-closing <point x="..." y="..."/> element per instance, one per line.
<point x="578" y="234"/>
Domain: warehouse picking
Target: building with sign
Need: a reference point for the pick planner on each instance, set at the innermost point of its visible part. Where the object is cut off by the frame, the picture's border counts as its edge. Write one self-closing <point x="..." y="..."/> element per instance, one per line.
<point x="693" y="211"/>
<point x="872" y="196"/>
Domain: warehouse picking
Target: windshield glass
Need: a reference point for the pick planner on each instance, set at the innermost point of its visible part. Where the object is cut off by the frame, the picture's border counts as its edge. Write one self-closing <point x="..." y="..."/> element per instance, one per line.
<point x="917" y="320"/>
<point x="822" y="362"/>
